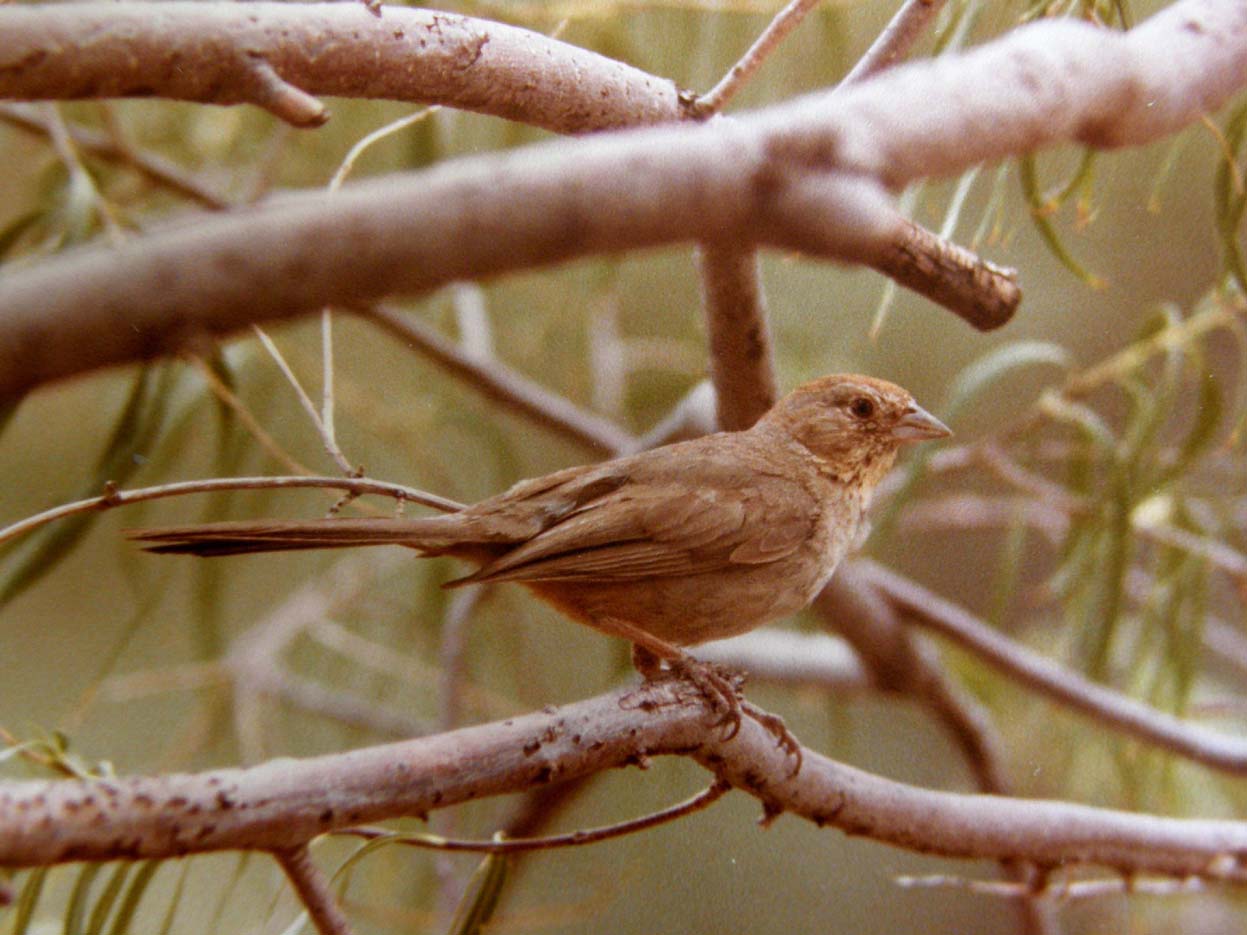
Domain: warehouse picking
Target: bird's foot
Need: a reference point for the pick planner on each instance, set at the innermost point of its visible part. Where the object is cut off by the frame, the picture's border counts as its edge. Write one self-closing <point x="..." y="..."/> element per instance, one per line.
<point x="719" y="686"/>
<point x="784" y="739"/>
<point x="721" y="689"/>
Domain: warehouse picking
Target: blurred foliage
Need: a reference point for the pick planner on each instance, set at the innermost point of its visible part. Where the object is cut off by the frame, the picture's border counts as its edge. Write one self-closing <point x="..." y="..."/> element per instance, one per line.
<point x="1120" y="386"/>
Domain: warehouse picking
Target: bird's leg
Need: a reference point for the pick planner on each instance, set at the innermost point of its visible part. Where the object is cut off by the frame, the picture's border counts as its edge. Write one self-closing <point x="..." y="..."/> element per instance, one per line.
<point x="650" y="653"/>
<point x="720" y="688"/>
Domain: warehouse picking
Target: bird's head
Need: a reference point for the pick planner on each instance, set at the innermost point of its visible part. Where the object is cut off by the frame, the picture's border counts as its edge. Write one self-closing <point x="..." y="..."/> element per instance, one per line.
<point x="853" y="425"/>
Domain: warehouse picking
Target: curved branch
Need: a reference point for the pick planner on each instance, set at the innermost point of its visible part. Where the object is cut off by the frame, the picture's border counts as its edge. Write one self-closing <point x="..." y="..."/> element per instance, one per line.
<point x="280" y="805"/>
<point x="411" y="233"/>
<point x="798" y="176"/>
<point x="1184" y="738"/>
<point x="276" y="55"/>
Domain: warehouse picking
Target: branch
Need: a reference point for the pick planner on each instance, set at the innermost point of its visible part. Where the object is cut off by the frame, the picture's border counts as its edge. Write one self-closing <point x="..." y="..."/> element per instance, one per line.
<point x="155" y="169"/>
<point x="929" y="610"/>
<point x="507" y="387"/>
<point x="898" y="662"/>
<point x="784" y="22"/>
<point x="797" y="176"/>
<point x="314" y="892"/>
<point x="113" y="497"/>
<point x="742" y="359"/>
<point x="412" y="233"/>
<point x="984" y="294"/>
<point x="787" y="657"/>
<point x="280" y="805"/>
<point x="276" y="55"/>
<point x="897" y="38"/>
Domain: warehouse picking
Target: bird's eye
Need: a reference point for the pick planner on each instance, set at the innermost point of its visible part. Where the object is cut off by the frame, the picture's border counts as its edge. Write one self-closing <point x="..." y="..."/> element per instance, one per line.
<point x="863" y="407"/>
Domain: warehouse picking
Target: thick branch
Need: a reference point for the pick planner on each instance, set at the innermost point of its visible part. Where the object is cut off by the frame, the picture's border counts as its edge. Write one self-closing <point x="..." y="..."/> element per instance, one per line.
<point x="275" y="55"/>
<point x="281" y="805"/>
<point x="796" y="176"/>
<point x="472" y="218"/>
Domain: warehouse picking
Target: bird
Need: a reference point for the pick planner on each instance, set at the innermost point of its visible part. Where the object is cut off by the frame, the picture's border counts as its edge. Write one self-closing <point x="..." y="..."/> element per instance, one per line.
<point x="667" y="548"/>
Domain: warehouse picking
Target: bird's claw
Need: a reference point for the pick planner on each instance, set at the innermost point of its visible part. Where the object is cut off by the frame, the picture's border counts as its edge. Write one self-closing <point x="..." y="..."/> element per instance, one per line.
<point x="784" y="739"/>
<point x="718" y="686"/>
<point x="721" y="688"/>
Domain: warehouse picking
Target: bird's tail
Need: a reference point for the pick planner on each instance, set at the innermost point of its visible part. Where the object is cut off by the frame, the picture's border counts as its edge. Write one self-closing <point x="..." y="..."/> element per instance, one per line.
<point x="431" y="535"/>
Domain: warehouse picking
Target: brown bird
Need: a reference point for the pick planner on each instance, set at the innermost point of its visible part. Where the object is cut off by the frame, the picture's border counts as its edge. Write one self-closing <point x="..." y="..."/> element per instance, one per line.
<point x="690" y="542"/>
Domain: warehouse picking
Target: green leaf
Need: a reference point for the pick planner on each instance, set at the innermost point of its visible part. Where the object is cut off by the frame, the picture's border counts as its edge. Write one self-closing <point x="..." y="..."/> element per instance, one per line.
<point x="992" y="220"/>
<point x="175" y="900"/>
<point x="108" y="898"/>
<point x="1109" y="578"/>
<point x="80" y="899"/>
<point x="1008" y="570"/>
<point x="228" y="891"/>
<point x="136" y="427"/>
<point x="482" y="896"/>
<point x="979" y="376"/>
<point x="342" y="875"/>
<point x="1208" y="412"/>
<point x="122" y="921"/>
<point x="1086" y="421"/>
<point x="1040" y="214"/>
<point x="1228" y="201"/>
<point x="28" y="900"/>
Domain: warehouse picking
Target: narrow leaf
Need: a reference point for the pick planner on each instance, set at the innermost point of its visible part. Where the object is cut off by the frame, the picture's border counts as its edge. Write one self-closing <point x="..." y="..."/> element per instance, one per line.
<point x="982" y="374"/>
<point x="133" y="896"/>
<point x="28" y="900"/>
<point x="80" y="899"/>
<point x="483" y="894"/>
<point x="108" y="898"/>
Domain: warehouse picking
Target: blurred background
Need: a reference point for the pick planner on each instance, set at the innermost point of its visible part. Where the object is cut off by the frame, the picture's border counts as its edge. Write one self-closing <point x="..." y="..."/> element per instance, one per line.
<point x="118" y="654"/>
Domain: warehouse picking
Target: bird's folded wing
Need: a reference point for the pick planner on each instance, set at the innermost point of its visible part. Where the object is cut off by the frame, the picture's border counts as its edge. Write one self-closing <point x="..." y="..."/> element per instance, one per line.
<point x="645" y="530"/>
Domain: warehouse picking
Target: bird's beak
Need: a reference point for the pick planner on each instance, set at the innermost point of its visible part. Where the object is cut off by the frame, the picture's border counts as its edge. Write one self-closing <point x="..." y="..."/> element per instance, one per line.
<point x="918" y="425"/>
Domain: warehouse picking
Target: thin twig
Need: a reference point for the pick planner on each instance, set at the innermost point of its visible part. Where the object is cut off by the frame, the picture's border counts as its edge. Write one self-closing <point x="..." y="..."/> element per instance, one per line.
<point x="114" y="498"/>
<point x="363" y="143"/>
<point x="897" y="38"/>
<point x="324" y="430"/>
<point x="460" y="610"/>
<point x="1063" y="891"/>
<point x="506" y="386"/>
<point x="245" y="416"/>
<point x="79" y="177"/>
<point x="156" y="169"/>
<point x="325" y="423"/>
<point x="701" y="800"/>
<point x="785" y="21"/>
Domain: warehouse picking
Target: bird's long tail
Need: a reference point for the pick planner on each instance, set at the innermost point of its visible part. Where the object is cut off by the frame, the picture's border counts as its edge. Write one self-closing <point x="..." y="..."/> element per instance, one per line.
<point x="431" y="535"/>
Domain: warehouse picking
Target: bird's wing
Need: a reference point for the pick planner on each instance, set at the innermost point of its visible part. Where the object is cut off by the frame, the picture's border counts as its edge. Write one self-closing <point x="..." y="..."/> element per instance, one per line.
<point x="644" y="529"/>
